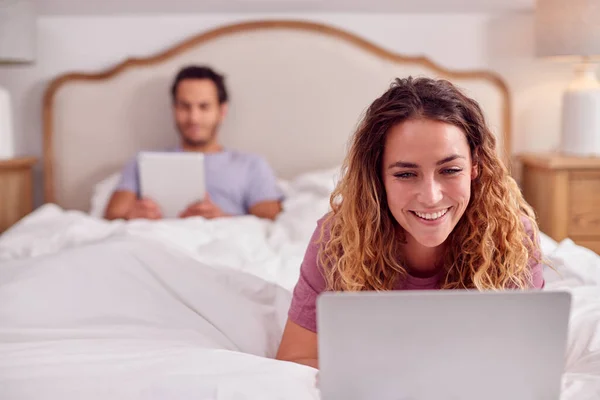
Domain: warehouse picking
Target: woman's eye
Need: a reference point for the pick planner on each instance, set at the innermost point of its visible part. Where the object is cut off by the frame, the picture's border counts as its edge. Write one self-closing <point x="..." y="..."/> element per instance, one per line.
<point x="451" y="171"/>
<point x="404" y="175"/>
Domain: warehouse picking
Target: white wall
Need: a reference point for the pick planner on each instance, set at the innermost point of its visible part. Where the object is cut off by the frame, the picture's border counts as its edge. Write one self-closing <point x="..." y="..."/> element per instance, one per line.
<point x="501" y="43"/>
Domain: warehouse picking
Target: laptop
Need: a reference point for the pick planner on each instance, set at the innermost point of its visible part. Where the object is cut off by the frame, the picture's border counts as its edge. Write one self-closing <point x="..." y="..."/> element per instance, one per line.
<point x="442" y="345"/>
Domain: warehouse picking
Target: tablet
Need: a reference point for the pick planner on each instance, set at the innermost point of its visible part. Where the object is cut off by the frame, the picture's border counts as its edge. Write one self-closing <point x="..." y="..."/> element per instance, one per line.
<point x="173" y="180"/>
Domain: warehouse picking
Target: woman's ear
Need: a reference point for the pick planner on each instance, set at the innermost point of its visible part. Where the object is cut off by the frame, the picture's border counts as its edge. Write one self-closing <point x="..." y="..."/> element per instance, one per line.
<point x="474" y="170"/>
<point x="474" y="165"/>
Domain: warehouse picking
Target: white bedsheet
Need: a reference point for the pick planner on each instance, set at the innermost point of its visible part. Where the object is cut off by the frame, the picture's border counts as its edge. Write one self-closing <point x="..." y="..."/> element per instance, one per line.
<point x="193" y="309"/>
<point x="128" y="317"/>
<point x="272" y="251"/>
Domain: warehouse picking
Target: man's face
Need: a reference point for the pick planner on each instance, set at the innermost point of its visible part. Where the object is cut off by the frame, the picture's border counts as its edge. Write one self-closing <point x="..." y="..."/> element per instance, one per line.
<point x="197" y="111"/>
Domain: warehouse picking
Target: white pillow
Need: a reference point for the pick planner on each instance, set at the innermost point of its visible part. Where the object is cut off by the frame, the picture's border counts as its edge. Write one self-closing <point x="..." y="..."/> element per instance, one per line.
<point x="310" y="191"/>
<point x="102" y="193"/>
<point x="321" y="182"/>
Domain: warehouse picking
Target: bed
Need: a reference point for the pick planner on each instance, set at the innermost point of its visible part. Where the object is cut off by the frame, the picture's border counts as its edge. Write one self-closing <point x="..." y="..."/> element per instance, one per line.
<point x="193" y="308"/>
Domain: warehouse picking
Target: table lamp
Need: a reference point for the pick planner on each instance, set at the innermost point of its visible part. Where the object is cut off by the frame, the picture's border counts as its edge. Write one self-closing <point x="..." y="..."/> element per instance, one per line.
<point x="17" y="45"/>
<point x="569" y="30"/>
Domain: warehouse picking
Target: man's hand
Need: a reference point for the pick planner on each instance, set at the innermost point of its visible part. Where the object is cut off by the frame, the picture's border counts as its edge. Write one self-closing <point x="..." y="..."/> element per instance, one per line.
<point x="144" y="208"/>
<point x="205" y="208"/>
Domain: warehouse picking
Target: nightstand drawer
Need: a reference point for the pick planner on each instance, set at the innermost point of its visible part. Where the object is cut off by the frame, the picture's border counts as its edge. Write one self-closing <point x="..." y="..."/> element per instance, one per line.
<point x="584" y="201"/>
<point x="564" y="191"/>
<point x="16" y="190"/>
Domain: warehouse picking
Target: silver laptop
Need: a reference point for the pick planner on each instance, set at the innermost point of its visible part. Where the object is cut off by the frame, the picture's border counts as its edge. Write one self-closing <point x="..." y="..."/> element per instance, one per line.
<point x="442" y="345"/>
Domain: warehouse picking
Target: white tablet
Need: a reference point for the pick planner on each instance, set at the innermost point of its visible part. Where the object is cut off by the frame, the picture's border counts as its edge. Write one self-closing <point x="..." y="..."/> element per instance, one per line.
<point x="172" y="180"/>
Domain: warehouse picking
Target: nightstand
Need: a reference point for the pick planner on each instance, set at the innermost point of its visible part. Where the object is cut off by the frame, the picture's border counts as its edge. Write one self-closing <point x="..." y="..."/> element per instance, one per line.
<point x="16" y="190"/>
<point x="564" y="191"/>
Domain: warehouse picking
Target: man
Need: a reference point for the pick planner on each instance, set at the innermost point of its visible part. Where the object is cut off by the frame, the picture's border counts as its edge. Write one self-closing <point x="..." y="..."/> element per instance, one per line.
<point x="237" y="183"/>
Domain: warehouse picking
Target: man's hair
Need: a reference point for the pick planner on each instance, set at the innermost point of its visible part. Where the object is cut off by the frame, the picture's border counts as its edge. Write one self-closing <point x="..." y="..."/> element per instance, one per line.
<point x="489" y="248"/>
<point x="201" y="72"/>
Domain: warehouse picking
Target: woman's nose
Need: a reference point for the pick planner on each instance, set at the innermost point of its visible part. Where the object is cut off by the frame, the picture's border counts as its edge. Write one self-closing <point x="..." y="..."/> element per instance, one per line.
<point x="430" y="193"/>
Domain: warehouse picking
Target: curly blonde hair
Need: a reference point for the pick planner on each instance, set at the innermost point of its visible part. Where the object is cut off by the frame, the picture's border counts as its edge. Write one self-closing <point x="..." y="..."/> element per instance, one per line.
<point x="489" y="249"/>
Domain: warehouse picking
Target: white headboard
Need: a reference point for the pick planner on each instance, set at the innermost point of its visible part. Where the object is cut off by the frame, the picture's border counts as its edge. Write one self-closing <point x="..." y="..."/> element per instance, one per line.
<point x="297" y="90"/>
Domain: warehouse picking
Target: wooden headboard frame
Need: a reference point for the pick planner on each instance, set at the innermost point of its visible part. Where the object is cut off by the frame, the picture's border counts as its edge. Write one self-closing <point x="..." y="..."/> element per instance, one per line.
<point x="57" y="83"/>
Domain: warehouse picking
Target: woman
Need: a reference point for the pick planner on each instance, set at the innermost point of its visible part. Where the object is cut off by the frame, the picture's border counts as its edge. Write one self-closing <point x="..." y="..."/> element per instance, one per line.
<point x="424" y="203"/>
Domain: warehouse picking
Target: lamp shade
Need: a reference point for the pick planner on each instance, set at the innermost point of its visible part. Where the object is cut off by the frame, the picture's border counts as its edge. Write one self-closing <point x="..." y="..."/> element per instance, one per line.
<point x="17" y="31"/>
<point x="567" y="28"/>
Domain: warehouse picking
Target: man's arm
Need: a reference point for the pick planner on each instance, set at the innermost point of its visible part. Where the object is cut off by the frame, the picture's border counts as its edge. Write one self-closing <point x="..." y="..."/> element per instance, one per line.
<point x="119" y="205"/>
<point x="263" y="197"/>
<point x="124" y="196"/>
<point x="125" y="205"/>
<point x="124" y="202"/>
<point x="266" y="209"/>
<point x="205" y="208"/>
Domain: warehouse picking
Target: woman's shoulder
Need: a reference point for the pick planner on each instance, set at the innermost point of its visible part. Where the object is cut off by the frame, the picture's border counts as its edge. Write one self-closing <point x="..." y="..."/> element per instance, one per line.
<point x="535" y="254"/>
<point x="321" y="234"/>
<point x="530" y="226"/>
<point x="311" y="267"/>
<point x="322" y="230"/>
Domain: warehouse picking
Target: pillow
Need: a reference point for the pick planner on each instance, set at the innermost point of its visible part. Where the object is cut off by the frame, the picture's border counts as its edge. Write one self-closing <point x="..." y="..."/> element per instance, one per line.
<point x="102" y="193"/>
<point x="318" y="182"/>
<point x="308" y="193"/>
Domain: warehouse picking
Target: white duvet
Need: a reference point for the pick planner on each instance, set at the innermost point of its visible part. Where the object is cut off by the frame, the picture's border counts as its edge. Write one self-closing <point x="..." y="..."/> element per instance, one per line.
<point x="193" y="309"/>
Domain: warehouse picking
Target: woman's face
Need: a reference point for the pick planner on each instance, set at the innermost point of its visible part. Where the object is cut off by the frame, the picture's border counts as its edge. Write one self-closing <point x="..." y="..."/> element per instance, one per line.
<point x="427" y="172"/>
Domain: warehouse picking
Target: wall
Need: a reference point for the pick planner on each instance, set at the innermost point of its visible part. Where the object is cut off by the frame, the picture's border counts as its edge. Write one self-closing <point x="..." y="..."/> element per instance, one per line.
<point x="503" y="43"/>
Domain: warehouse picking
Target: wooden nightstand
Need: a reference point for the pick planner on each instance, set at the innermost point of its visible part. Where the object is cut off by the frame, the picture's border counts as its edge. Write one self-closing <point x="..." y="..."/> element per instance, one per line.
<point x="16" y="190"/>
<point x="564" y="191"/>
